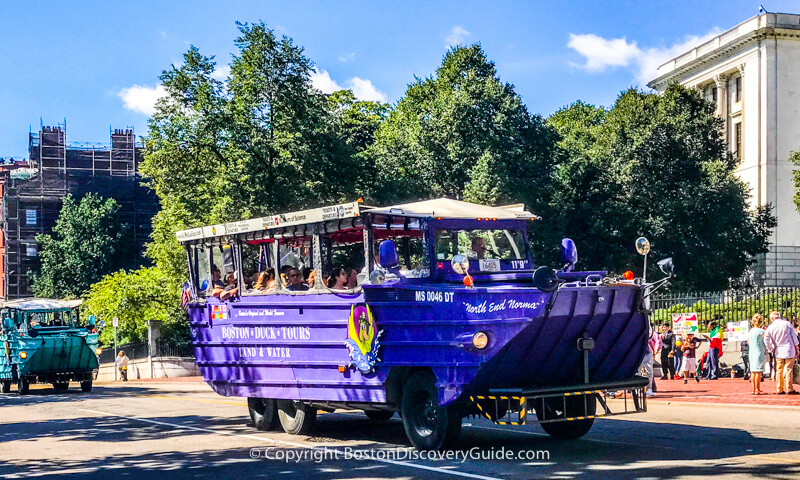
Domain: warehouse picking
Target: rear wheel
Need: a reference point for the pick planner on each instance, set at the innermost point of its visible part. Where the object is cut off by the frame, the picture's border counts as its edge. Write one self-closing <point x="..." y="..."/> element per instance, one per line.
<point x="6" y="386"/>
<point x="554" y="407"/>
<point x="61" y="386"/>
<point x="379" y="415"/>
<point x="296" y="416"/>
<point x="263" y="413"/>
<point x="428" y="425"/>
<point x="86" y="386"/>
<point x="23" y="386"/>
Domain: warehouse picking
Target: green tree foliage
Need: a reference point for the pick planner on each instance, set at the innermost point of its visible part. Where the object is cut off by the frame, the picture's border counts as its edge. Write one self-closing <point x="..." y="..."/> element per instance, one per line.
<point x="86" y="244"/>
<point x="654" y="165"/>
<point x="464" y="134"/>
<point x="794" y="157"/>
<point x="135" y="297"/>
<point x="261" y="142"/>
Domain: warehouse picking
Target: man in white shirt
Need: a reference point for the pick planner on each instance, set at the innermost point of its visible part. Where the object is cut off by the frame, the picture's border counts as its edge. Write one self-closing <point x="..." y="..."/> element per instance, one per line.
<point x="781" y="341"/>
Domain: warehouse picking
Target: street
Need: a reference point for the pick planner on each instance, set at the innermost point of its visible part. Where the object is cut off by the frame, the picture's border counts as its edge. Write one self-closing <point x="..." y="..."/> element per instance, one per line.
<point x="188" y="431"/>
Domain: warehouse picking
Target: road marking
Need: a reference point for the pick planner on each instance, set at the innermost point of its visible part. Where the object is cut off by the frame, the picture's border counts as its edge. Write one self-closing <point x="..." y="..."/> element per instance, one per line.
<point x="292" y="444"/>
<point x="536" y="434"/>
<point x="195" y="400"/>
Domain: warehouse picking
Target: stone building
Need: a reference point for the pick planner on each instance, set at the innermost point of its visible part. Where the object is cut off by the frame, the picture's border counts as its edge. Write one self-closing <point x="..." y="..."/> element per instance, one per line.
<point x="752" y="73"/>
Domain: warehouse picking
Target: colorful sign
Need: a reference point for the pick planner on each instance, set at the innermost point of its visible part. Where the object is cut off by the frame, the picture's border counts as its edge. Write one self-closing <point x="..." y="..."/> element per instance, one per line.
<point x="683" y="323"/>
<point x="737" y="331"/>
<point x="219" y="312"/>
<point x="362" y="339"/>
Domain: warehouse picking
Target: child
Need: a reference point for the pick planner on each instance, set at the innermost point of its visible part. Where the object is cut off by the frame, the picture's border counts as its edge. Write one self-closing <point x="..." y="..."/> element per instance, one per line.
<point x="689" y="346"/>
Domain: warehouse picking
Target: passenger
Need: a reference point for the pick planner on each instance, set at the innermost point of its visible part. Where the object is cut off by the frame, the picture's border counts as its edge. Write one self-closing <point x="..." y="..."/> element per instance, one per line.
<point x="352" y="278"/>
<point x="57" y="320"/>
<point x="312" y="279"/>
<point x="295" y="278"/>
<point x="478" y="248"/>
<point x="260" y="280"/>
<point x="217" y="277"/>
<point x="231" y="290"/>
<point x="284" y="271"/>
<point x="269" y="280"/>
<point x="338" y="279"/>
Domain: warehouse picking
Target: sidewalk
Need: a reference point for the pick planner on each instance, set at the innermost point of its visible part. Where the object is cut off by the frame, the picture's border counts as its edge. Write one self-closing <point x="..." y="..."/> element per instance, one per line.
<point x="724" y="390"/>
<point x="151" y="381"/>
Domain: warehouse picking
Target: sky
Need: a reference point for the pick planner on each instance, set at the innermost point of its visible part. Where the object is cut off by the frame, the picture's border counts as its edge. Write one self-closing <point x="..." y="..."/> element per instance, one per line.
<point x="96" y="64"/>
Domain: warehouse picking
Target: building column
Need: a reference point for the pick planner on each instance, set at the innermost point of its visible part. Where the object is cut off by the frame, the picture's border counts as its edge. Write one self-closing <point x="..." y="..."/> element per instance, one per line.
<point x="722" y="105"/>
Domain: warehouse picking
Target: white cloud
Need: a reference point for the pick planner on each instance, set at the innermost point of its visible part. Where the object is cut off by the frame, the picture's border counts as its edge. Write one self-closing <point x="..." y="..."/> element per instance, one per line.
<point x="349" y="57"/>
<point x="221" y="72"/>
<point x="141" y="98"/>
<point x="600" y="53"/>
<point x="322" y="81"/>
<point x="363" y="89"/>
<point x="457" y="36"/>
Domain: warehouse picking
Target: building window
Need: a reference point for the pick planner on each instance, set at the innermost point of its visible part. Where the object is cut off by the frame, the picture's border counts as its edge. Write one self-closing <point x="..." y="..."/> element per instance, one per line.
<point x="737" y="140"/>
<point x="711" y="93"/>
<point x="30" y="249"/>
<point x="738" y="89"/>
<point x="30" y="217"/>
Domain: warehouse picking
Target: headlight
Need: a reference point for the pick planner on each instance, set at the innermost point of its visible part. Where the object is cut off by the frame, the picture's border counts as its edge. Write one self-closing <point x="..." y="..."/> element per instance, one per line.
<point x="480" y="340"/>
<point x="23" y="355"/>
<point x="98" y="350"/>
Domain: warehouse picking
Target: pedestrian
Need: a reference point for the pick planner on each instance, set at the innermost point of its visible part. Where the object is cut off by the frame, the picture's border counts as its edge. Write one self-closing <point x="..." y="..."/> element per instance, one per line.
<point x="678" y="355"/>
<point x="653" y="345"/>
<point x="757" y="352"/>
<point x="714" y="351"/>
<point x="780" y="340"/>
<point x="689" y="350"/>
<point x="667" y="352"/>
<point x="122" y="365"/>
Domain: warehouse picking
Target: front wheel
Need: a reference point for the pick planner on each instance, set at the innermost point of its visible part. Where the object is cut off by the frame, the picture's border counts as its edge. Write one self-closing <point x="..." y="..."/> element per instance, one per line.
<point x="428" y="425"/>
<point x="263" y="413"/>
<point x="567" y="407"/>
<point x="6" y="386"/>
<point x="86" y="386"/>
<point x="296" y="416"/>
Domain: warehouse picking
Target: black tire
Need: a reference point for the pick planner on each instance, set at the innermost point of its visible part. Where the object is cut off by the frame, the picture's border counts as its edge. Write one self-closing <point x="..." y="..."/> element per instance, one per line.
<point x="296" y="416"/>
<point x="553" y="408"/>
<point x="379" y="415"/>
<point x="23" y="386"/>
<point x="263" y="413"/>
<point x="428" y="425"/>
<point x="61" y="386"/>
<point x="86" y="386"/>
<point x="6" y="386"/>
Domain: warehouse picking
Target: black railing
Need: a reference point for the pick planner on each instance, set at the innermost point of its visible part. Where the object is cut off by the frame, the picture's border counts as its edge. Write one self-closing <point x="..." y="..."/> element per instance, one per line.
<point x="727" y="306"/>
<point x="174" y="349"/>
<point x="140" y="351"/>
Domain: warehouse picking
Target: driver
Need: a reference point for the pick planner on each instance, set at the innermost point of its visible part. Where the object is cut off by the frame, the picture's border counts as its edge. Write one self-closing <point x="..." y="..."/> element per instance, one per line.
<point x="479" y="248"/>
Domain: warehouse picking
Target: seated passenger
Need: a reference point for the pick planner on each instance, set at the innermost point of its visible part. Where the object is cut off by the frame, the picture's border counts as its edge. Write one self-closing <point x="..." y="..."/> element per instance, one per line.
<point x="57" y="320"/>
<point x="230" y="290"/>
<point x="312" y="279"/>
<point x="338" y="279"/>
<point x="295" y="278"/>
<point x="260" y="281"/>
<point x="352" y="278"/>
<point x="266" y="281"/>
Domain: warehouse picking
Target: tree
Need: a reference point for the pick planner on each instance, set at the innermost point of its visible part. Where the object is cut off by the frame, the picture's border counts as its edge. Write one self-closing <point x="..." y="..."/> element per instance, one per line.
<point x="655" y="165"/>
<point x="85" y="245"/>
<point x="464" y="134"/>
<point x="134" y="297"/>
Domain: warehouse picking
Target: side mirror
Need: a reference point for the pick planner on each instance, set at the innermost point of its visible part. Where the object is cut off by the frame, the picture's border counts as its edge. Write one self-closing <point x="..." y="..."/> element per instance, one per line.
<point x="666" y="266"/>
<point x="460" y="264"/>
<point x="569" y="254"/>
<point x="387" y="254"/>
<point x="545" y="279"/>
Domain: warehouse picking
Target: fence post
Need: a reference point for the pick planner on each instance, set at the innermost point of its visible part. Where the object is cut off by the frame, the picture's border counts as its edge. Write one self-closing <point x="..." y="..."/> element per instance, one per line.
<point x="153" y="336"/>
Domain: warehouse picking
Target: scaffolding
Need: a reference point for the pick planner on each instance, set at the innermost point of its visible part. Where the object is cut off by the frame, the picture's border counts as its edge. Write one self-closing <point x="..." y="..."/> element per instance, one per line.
<point x="31" y="205"/>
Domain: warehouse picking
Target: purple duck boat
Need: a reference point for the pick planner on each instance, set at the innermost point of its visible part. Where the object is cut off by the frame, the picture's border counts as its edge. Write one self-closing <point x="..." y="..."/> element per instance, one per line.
<point x="433" y="309"/>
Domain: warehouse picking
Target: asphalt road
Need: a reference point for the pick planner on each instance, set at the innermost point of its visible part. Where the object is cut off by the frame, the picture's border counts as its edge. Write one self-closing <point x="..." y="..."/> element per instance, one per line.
<point x="187" y="431"/>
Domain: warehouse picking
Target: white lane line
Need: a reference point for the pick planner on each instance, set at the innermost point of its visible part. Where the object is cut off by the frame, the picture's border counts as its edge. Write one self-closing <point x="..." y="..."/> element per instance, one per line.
<point x="536" y="434"/>
<point x="297" y="445"/>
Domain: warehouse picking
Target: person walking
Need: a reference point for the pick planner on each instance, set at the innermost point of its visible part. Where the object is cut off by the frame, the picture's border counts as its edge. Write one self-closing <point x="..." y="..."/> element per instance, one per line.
<point x="122" y="365"/>
<point x="714" y="351"/>
<point x="653" y="345"/>
<point x="667" y="352"/>
<point x="780" y="340"/>
<point x="757" y="353"/>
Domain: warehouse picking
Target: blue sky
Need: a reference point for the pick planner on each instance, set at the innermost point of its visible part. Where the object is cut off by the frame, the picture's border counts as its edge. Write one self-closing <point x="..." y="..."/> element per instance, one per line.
<point x="96" y="64"/>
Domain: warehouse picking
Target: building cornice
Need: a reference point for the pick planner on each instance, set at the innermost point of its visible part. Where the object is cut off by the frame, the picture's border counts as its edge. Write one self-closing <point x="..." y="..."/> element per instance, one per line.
<point x="735" y="46"/>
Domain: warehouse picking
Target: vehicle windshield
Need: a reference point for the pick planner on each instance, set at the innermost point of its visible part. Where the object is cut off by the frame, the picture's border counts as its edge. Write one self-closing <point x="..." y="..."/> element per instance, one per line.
<point x="49" y="319"/>
<point x="479" y="244"/>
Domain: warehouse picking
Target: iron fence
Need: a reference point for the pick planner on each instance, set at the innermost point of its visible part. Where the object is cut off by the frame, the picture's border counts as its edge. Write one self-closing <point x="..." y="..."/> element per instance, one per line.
<point x="140" y="351"/>
<point x="174" y="349"/>
<point x="727" y="306"/>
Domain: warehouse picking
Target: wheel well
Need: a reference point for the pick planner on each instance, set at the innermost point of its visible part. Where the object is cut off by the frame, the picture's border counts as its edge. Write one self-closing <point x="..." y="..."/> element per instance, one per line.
<point x="395" y="380"/>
